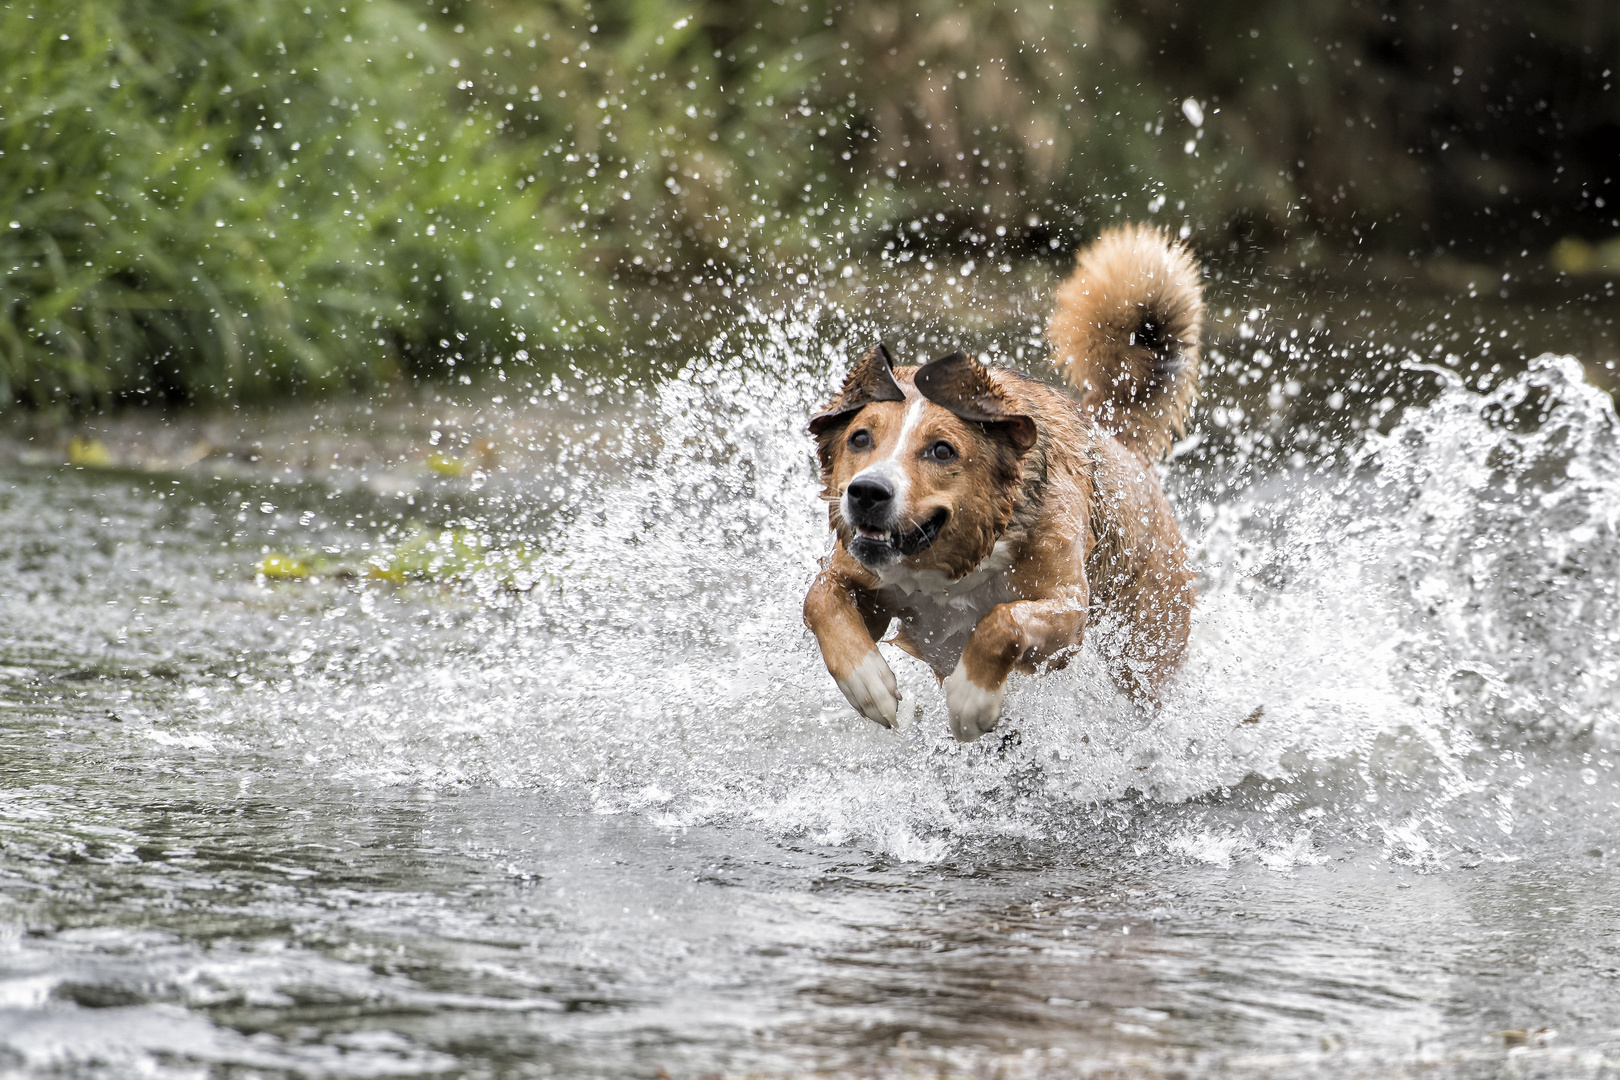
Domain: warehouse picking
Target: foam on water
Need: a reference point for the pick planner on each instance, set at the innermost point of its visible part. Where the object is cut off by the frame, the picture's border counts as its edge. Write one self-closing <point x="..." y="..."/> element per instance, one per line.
<point x="1457" y="585"/>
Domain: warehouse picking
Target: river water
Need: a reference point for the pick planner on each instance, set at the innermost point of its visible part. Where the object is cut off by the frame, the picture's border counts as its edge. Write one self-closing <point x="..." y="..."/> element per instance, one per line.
<point x="472" y="731"/>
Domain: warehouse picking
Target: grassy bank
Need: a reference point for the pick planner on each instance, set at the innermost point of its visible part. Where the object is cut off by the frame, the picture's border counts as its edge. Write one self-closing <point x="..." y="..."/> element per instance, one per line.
<point x="233" y="199"/>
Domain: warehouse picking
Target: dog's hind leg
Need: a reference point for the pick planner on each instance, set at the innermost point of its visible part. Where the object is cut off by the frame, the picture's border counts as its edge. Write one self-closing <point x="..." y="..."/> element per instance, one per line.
<point x="1149" y="641"/>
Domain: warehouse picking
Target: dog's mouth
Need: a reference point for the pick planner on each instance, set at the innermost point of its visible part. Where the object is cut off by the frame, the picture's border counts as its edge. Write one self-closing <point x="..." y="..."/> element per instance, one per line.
<point x="876" y="546"/>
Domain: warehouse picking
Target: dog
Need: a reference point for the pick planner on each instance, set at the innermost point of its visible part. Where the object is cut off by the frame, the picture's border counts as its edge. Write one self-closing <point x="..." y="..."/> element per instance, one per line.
<point x="992" y="516"/>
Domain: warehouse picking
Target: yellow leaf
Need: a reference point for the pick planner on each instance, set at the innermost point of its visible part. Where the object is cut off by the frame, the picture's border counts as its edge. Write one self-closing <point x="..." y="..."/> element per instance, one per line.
<point x="445" y="465"/>
<point x="88" y="453"/>
<point x="283" y="567"/>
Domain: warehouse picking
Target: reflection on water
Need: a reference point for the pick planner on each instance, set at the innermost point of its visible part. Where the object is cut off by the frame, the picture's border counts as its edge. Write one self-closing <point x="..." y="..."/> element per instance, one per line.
<point x="322" y="930"/>
<point x="383" y="817"/>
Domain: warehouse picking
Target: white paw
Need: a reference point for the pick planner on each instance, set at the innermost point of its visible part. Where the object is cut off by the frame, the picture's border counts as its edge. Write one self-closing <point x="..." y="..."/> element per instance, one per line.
<point x="872" y="690"/>
<point x="974" y="710"/>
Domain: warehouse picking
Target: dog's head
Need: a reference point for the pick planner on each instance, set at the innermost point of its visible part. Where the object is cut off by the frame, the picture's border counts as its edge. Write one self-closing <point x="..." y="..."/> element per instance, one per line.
<point x="921" y="465"/>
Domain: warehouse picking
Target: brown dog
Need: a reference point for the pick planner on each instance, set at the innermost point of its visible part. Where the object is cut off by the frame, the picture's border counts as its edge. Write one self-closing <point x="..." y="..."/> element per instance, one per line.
<point x="991" y="514"/>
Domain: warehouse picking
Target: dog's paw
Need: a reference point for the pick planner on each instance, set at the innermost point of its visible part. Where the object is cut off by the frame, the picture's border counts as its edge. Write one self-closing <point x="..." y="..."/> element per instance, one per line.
<point x="974" y="710"/>
<point x="872" y="690"/>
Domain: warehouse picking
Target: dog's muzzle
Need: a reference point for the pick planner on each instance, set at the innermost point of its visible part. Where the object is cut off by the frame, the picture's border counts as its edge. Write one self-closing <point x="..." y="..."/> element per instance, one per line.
<point x="877" y="538"/>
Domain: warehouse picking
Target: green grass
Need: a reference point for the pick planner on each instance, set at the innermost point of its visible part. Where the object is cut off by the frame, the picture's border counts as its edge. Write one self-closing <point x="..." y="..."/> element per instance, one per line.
<point x="231" y="198"/>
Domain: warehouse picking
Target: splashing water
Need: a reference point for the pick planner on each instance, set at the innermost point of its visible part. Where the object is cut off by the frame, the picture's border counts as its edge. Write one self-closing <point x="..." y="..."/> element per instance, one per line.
<point x="1454" y="586"/>
<point x="623" y="820"/>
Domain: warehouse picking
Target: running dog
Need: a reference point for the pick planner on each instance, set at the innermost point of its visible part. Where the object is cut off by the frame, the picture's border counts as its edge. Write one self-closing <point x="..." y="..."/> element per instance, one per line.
<point x="991" y="515"/>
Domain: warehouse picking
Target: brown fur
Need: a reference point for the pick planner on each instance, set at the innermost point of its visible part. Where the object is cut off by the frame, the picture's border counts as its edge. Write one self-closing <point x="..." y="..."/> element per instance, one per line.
<point x="981" y="490"/>
<point x="1051" y="509"/>
<point x="1126" y="334"/>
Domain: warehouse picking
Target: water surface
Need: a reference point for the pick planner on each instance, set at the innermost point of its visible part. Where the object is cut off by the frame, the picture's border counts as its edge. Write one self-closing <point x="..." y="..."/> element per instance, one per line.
<point x="577" y="799"/>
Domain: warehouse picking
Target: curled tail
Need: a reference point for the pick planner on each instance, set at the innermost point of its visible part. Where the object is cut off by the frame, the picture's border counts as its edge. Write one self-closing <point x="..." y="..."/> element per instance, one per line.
<point x="1126" y="334"/>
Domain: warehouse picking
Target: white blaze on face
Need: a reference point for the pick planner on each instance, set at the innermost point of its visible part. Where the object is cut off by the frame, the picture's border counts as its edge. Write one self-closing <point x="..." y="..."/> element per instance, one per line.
<point x="892" y="467"/>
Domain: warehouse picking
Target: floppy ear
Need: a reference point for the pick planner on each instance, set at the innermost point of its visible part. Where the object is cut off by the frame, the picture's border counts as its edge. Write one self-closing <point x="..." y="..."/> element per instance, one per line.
<point x="960" y="383"/>
<point x="871" y="379"/>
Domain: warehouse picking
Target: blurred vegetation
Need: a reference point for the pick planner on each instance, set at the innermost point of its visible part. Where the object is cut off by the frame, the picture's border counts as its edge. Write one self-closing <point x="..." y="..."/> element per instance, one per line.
<point x="225" y="198"/>
<point x="250" y="196"/>
<point x="1406" y="126"/>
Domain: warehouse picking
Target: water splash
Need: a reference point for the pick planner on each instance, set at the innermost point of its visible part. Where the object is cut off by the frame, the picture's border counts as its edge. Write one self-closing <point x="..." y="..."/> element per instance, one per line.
<point x="1455" y="586"/>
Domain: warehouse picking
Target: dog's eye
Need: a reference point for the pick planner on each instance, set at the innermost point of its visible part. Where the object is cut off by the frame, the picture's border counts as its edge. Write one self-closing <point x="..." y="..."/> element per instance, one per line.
<point x="942" y="451"/>
<point x="861" y="440"/>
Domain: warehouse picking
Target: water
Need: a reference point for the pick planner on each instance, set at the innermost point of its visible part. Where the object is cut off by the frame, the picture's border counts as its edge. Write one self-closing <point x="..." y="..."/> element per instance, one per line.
<point x="577" y="799"/>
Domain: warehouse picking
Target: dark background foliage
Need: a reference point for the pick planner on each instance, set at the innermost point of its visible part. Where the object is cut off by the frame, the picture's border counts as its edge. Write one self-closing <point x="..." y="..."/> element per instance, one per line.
<point x="1452" y="123"/>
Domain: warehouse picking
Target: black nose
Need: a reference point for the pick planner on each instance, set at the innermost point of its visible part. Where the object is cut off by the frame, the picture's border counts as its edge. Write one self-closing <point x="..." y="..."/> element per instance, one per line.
<point x="869" y="496"/>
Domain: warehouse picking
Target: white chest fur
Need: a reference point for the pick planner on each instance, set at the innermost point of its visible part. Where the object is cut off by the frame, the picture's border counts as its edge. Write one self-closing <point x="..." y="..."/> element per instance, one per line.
<point x="938" y="614"/>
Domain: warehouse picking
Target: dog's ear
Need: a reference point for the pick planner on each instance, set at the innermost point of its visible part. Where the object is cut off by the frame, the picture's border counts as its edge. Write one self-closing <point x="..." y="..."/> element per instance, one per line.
<point x="871" y="379"/>
<point x="961" y="384"/>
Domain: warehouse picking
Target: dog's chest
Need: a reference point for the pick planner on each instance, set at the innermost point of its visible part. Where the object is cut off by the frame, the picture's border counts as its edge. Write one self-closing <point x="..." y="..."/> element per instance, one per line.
<point x="936" y="615"/>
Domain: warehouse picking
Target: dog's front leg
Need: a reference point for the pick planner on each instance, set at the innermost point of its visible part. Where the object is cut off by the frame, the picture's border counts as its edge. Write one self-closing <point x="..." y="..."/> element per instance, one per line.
<point x="1021" y="634"/>
<point x="842" y="616"/>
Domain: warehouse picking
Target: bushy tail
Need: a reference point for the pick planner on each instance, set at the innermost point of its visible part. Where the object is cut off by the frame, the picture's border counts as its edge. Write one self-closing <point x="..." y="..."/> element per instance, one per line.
<point x="1126" y="334"/>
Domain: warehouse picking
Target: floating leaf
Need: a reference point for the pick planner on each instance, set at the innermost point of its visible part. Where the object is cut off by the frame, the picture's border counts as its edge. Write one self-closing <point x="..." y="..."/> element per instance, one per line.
<point x="284" y="568"/>
<point x="446" y="556"/>
<point x="445" y="465"/>
<point x="88" y="453"/>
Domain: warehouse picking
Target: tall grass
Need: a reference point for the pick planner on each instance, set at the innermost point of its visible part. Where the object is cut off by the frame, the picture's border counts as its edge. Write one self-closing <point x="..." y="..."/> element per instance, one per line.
<point x="227" y="198"/>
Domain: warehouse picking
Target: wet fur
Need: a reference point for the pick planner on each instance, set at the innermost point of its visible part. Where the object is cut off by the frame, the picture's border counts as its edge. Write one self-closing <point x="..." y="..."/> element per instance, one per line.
<point x="1055" y="512"/>
<point x="1126" y="332"/>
